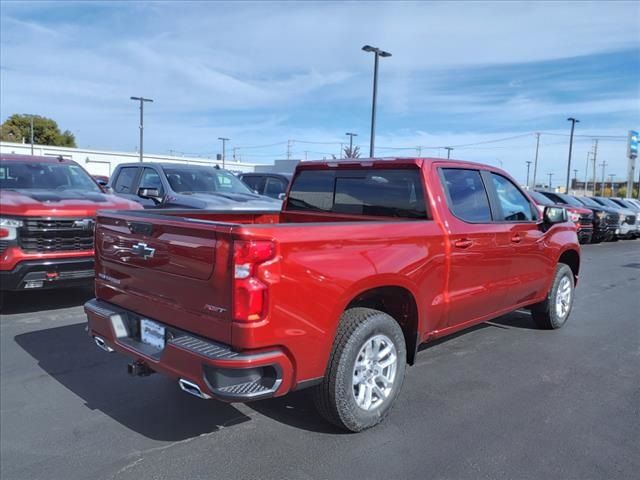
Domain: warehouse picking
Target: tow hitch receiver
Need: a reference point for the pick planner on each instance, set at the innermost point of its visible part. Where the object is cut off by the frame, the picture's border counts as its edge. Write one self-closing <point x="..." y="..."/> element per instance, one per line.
<point x="139" y="369"/>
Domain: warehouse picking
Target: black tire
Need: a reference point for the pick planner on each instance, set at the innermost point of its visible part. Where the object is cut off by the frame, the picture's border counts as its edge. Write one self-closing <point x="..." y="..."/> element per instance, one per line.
<point x="334" y="397"/>
<point x="545" y="313"/>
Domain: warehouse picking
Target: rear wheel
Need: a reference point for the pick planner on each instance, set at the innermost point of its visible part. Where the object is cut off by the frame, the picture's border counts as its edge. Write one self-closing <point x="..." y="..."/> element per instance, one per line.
<point x="365" y="371"/>
<point x="554" y="311"/>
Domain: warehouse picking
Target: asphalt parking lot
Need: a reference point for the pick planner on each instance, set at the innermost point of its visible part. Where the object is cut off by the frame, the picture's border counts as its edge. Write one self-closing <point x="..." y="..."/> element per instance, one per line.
<point x="503" y="400"/>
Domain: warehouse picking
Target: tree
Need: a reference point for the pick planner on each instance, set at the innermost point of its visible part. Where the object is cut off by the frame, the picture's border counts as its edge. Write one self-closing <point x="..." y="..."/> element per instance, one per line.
<point x="349" y="153"/>
<point x="17" y="128"/>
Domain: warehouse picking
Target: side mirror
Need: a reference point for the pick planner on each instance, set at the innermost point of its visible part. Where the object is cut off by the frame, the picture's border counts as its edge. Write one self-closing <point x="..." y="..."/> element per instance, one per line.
<point x="102" y="183"/>
<point x="282" y="196"/>
<point x="553" y="215"/>
<point x="150" y="193"/>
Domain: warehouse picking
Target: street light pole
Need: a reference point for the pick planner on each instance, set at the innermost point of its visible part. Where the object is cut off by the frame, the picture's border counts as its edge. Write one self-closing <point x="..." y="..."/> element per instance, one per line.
<point x="377" y="53"/>
<point x="351" y="135"/>
<point x="141" y="100"/>
<point x="528" y="166"/>
<point x="448" y="149"/>
<point x="550" y="175"/>
<point x="224" y="148"/>
<point x="573" y="126"/>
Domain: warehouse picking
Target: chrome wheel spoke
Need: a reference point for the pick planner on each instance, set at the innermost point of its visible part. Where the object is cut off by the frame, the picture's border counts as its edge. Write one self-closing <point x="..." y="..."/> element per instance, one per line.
<point x="374" y="372"/>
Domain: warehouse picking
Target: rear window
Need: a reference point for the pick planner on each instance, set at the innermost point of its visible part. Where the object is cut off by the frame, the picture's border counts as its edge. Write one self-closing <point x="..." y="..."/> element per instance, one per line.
<point x="373" y="192"/>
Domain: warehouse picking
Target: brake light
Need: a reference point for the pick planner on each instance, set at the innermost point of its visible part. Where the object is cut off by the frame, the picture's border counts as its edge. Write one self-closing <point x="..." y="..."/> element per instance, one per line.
<point x="250" y="293"/>
<point x="4" y="233"/>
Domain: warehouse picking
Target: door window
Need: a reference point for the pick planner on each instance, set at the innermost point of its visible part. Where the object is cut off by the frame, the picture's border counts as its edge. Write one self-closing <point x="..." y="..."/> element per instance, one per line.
<point x="124" y="182"/>
<point x="466" y="194"/>
<point x="514" y="205"/>
<point x="151" y="179"/>
<point x="275" y="187"/>
<point x="255" y="183"/>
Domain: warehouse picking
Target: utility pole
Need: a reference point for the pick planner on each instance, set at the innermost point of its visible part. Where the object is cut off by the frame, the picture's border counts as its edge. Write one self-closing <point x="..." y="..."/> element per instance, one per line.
<point x="306" y="152"/>
<point x="448" y="149"/>
<point x="224" y="148"/>
<point x="141" y="100"/>
<point x="586" y="175"/>
<point x="31" y="132"/>
<point x="595" y="157"/>
<point x="550" y="176"/>
<point x="528" y="165"/>
<point x="289" y="143"/>
<point x="603" y="165"/>
<point x="535" y="163"/>
<point x="341" y="150"/>
<point x="573" y="126"/>
<point x="377" y="54"/>
<point x="234" y="154"/>
<point x="419" y="151"/>
<point x="611" y="175"/>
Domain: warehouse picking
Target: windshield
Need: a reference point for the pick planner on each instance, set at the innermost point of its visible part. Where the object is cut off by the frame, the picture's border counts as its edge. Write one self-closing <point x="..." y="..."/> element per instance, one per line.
<point x="569" y="200"/>
<point x="541" y="199"/>
<point x="204" y="180"/>
<point x="587" y="201"/>
<point x="45" y="176"/>
<point x="608" y="203"/>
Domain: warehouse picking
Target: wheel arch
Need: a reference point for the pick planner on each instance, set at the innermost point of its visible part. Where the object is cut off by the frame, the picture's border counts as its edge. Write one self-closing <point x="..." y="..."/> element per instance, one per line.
<point x="571" y="257"/>
<point x="400" y="303"/>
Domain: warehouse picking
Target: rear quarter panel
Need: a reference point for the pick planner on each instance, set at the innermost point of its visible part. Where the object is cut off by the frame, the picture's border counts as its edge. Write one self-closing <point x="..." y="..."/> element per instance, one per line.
<point x="321" y="268"/>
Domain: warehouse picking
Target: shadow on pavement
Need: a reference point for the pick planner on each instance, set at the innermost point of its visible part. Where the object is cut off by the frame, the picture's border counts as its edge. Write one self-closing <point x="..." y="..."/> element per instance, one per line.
<point x="153" y="406"/>
<point x="38" y="300"/>
<point x="517" y="319"/>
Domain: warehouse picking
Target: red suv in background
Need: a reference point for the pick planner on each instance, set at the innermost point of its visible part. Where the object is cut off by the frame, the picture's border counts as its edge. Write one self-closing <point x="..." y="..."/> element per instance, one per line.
<point x="48" y="207"/>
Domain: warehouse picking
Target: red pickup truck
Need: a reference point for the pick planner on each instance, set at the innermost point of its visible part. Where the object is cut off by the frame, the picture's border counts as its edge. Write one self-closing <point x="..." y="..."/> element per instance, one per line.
<point x="47" y="211"/>
<point x="367" y="260"/>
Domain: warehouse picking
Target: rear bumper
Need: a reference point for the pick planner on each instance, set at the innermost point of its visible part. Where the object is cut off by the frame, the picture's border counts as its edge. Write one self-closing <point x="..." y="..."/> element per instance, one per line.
<point x="217" y="369"/>
<point x="51" y="273"/>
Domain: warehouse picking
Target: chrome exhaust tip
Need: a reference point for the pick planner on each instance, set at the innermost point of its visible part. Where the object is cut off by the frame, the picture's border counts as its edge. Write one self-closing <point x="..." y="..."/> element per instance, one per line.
<point x="102" y="344"/>
<point x="192" y="388"/>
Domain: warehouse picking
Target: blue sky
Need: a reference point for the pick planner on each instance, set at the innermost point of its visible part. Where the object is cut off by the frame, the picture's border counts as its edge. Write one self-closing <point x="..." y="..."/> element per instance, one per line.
<point x="265" y="72"/>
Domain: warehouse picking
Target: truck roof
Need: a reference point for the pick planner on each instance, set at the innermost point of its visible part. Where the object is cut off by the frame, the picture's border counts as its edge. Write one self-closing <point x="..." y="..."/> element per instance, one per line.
<point x="166" y="164"/>
<point x="390" y="162"/>
<point x="33" y="158"/>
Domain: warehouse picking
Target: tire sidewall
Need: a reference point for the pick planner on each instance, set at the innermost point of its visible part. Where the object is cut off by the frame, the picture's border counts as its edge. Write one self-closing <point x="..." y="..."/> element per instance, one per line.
<point x="354" y="417"/>
<point x="561" y="272"/>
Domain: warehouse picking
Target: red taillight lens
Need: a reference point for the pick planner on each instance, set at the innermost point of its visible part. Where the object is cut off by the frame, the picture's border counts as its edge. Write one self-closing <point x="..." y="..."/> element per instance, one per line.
<point x="4" y="233"/>
<point x="250" y="293"/>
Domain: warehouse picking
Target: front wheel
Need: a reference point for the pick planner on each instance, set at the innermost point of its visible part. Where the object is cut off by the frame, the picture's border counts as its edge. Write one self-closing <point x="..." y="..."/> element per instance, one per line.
<point x="365" y="371"/>
<point x="554" y="311"/>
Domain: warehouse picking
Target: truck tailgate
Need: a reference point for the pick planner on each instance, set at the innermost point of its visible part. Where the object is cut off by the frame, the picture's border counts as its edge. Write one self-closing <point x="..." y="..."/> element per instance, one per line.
<point x="169" y="269"/>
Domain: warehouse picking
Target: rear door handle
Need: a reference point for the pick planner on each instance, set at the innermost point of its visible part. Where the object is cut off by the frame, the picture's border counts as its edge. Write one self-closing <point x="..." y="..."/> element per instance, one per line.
<point x="516" y="238"/>
<point x="464" y="243"/>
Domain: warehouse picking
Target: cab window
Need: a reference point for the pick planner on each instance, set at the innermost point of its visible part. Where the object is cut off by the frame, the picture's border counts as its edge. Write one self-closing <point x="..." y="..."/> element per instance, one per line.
<point x="514" y="205"/>
<point x="124" y="182"/>
<point x="151" y="179"/>
<point x="466" y="194"/>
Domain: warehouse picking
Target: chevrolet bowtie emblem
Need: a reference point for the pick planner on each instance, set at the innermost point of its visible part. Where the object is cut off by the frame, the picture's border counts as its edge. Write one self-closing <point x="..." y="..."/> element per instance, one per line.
<point x="85" y="224"/>
<point x="143" y="251"/>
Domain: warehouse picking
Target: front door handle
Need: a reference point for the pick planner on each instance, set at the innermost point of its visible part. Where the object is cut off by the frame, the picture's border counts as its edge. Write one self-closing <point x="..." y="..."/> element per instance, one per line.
<point x="516" y="238"/>
<point x="464" y="243"/>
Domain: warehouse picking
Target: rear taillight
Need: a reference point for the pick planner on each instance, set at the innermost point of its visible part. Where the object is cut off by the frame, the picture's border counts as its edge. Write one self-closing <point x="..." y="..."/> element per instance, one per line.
<point x="250" y="292"/>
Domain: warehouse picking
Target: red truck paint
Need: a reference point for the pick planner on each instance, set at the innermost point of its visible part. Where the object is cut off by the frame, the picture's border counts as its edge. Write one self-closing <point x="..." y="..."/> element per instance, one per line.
<point x="21" y="205"/>
<point x="437" y="276"/>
